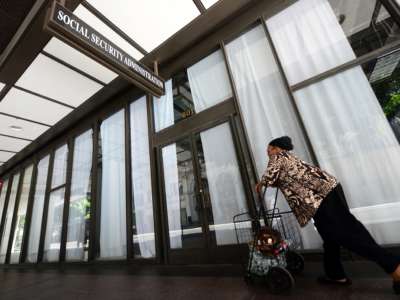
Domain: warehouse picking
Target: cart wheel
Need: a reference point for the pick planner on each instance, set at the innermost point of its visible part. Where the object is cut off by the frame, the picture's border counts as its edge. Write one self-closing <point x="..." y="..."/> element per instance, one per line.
<point x="295" y="262"/>
<point x="248" y="279"/>
<point x="279" y="280"/>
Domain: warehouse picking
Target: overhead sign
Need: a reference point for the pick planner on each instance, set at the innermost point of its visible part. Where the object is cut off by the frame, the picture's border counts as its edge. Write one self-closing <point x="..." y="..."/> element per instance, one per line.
<point x="63" y="24"/>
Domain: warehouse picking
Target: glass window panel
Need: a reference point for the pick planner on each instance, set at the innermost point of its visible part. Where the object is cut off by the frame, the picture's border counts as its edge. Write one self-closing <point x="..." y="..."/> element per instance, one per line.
<point x="37" y="211"/>
<point x="80" y="200"/>
<point x="8" y="218"/>
<point x="21" y="215"/>
<point x="142" y="206"/>
<point x="52" y="241"/>
<point x="3" y="195"/>
<point x="31" y="107"/>
<point x="12" y="144"/>
<point x="353" y="122"/>
<point x="182" y="198"/>
<point x="313" y="36"/>
<point x="164" y="108"/>
<point x="223" y="190"/>
<point x="43" y="77"/>
<point x="209" y="81"/>
<point x="182" y="97"/>
<point x="96" y="23"/>
<point x="172" y="16"/>
<point x="79" y="60"/>
<point x="60" y="166"/>
<point x="113" y="193"/>
<point x="29" y="130"/>
<point x="266" y="107"/>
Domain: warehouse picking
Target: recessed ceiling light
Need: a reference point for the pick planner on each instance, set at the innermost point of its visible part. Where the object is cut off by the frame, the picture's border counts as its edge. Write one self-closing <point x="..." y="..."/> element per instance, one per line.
<point x="16" y="128"/>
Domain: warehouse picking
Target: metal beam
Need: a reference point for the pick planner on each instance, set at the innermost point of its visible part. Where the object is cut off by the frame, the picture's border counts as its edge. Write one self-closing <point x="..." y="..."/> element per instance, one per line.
<point x="200" y="6"/>
<point x="8" y="151"/>
<point x="43" y="97"/>
<point x="24" y="119"/>
<point x="65" y="64"/>
<point x="15" y="137"/>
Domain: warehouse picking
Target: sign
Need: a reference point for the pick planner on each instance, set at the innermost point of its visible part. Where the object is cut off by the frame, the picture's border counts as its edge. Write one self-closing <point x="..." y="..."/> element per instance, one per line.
<point x="63" y="24"/>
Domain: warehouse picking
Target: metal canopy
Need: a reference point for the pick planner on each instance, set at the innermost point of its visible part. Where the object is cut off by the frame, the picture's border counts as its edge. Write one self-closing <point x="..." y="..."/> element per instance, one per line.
<point x="45" y="87"/>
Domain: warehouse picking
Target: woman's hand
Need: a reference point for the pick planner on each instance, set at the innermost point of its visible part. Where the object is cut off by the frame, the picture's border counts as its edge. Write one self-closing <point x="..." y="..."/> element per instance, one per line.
<point x="259" y="187"/>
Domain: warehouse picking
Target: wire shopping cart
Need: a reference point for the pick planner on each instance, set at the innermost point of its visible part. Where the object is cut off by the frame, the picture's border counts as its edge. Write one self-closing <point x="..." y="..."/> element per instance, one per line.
<point x="272" y="237"/>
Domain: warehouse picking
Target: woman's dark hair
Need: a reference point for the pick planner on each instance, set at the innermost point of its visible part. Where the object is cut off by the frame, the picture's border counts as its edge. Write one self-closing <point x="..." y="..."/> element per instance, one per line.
<point x="283" y="142"/>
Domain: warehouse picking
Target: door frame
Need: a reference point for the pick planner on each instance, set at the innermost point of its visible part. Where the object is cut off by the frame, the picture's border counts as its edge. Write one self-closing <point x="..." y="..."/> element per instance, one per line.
<point x="224" y="112"/>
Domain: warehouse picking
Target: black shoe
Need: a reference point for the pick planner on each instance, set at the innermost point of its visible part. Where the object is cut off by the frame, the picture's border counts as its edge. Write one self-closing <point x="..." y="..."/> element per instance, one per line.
<point x="327" y="281"/>
<point x="396" y="287"/>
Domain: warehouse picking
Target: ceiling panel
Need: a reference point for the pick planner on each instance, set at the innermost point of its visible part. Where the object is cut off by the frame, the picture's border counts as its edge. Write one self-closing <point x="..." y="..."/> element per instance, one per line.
<point x="51" y="79"/>
<point x="97" y="24"/>
<point x="79" y="60"/>
<point x="28" y="130"/>
<point x="7" y="143"/>
<point x="4" y="156"/>
<point x="31" y="107"/>
<point x="209" y="3"/>
<point x="150" y="22"/>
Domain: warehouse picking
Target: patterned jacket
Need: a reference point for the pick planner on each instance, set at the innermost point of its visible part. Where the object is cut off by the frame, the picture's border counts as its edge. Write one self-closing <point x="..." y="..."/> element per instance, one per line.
<point x="304" y="186"/>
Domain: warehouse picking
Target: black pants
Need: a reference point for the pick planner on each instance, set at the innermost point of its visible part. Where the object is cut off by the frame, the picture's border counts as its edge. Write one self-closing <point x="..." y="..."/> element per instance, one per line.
<point x="338" y="227"/>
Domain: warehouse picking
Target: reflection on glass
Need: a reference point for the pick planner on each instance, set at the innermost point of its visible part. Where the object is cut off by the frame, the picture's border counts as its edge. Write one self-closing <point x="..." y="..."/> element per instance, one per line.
<point x="79" y="206"/>
<point x="8" y="218"/>
<point x="113" y="194"/>
<point x="55" y="211"/>
<point x="223" y="190"/>
<point x="183" y="101"/>
<point x="183" y="207"/>
<point x="21" y="214"/>
<point x="142" y="206"/>
<point x="313" y="36"/>
<point x="52" y="242"/>
<point x="3" y="196"/>
<point x="384" y="76"/>
<point x="37" y="212"/>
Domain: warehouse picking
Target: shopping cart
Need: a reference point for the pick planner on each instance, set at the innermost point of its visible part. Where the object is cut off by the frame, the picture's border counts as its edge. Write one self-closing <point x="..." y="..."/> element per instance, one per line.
<point x="272" y="237"/>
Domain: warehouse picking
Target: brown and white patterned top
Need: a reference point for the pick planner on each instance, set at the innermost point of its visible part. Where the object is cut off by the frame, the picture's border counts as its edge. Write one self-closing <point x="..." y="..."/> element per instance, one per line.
<point x="304" y="186"/>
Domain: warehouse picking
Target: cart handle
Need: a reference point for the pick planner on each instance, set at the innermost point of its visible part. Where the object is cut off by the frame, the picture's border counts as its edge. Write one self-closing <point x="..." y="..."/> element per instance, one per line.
<point x="262" y="210"/>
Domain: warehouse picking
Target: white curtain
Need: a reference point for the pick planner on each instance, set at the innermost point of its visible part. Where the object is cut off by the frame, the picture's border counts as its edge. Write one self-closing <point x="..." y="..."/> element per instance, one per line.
<point x="141" y="180"/>
<point x="37" y="212"/>
<point x="113" y="201"/>
<point x="309" y="39"/>
<point x="224" y="182"/>
<point x="347" y="127"/>
<point x="354" y="141"/>
<point x="266" y="107"/>
<point x="21" y="214"/>
<point x="171" y="184"/>
<point x="8" y="219"/>
<point x="80" y="199"/>
<point x="164" y="108"/>
<point x="209" y="81"/>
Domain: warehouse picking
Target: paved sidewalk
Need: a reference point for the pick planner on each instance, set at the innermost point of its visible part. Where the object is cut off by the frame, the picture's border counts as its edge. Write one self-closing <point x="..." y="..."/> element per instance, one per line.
<point x="118" y="284"/>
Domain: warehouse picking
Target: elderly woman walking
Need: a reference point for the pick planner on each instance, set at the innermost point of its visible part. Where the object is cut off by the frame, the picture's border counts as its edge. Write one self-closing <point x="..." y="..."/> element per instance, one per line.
<point x="314" y="194"/>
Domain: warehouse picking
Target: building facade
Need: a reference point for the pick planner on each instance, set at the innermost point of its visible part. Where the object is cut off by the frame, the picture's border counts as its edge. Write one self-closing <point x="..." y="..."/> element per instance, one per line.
<point x="158" y="180"/>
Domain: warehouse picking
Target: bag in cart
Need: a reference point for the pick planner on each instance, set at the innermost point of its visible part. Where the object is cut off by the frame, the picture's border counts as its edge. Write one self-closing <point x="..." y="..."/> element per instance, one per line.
<point x="272" y="237"/>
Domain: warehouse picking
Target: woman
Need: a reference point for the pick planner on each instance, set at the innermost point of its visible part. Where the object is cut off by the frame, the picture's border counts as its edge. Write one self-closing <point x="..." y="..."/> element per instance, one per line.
<point x="315" y="194"/>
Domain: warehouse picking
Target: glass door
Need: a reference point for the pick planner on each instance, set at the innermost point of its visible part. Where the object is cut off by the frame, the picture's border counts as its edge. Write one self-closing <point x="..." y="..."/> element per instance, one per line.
<point x="203" y="190"/>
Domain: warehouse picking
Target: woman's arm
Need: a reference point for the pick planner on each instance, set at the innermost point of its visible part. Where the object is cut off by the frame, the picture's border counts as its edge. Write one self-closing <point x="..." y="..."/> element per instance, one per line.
<point x="271" y="174"/>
